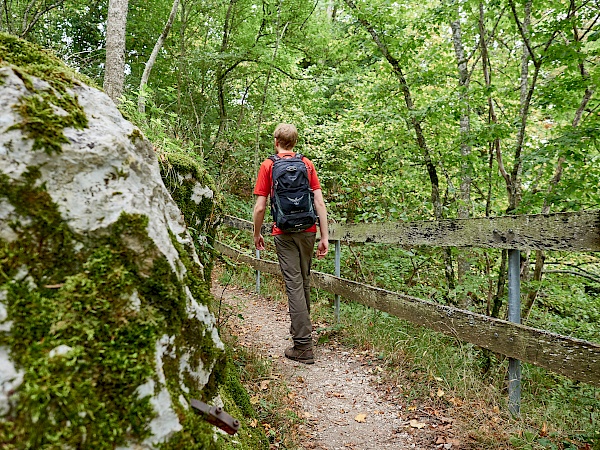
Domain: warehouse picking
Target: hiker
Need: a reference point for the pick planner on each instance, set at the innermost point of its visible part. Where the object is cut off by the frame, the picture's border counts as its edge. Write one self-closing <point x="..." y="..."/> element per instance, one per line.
<point x="295" y="242"/>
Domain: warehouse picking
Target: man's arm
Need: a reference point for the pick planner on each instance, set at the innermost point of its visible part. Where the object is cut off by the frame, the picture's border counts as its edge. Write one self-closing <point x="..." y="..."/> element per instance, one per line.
<point x="258" y="217"/>
<point x="321" y="209"/>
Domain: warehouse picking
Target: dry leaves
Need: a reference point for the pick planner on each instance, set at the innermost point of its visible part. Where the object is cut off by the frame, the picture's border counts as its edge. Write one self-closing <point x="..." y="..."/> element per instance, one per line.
<point x="335" y="394"/>
<point x="416" y="424"/>
<point x="361" y="418"/>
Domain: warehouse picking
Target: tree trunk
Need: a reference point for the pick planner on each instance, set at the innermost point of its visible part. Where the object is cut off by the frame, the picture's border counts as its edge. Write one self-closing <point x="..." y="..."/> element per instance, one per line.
<point x="416" y="124"/>
<point x="278" y="38"/>
<point x="152" y="59"/>
<point x="464" y="209"/>
<point x="221" y="73"/>
<point x="540" y="256"/>
<point x="114" y="71"/>
<point x="514" y="190"/>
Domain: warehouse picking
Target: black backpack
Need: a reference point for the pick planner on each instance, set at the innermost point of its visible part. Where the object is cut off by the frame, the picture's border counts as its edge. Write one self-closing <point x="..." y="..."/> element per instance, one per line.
<point x="292" y="201"/>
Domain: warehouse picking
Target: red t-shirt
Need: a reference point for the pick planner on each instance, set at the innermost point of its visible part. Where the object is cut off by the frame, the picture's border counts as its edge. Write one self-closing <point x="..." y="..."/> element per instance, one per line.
<point x="264" y="181"/>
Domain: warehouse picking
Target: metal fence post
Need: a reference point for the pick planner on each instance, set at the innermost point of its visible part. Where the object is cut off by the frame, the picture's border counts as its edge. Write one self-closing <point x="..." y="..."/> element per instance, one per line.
<point x="337" y="274"/>
<point x="258" y="274"/>
<point x="514" y="315"/>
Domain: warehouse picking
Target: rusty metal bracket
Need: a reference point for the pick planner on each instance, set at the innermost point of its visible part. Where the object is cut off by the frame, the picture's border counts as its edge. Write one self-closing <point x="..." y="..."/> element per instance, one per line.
<point x="216" y="416"/>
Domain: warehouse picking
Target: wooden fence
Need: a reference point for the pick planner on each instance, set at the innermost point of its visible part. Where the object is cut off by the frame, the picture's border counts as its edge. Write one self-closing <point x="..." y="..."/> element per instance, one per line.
<point x="574" y="232"/>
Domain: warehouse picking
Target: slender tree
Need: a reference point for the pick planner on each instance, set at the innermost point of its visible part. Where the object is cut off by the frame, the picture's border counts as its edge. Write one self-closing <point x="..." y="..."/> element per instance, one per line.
<point x="464" y="204"/>
<point x="159" y="43"/>
<point x="114" y="72"/>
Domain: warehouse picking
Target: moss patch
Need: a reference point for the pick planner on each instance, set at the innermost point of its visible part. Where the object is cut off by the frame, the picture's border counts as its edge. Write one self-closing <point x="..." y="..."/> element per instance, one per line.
<point x="45" y="114"/>
<point x="237" y="403"/>
<point x="182" y="175"/>
<point x="34" y="61"/>
<point x="82" y="300"/>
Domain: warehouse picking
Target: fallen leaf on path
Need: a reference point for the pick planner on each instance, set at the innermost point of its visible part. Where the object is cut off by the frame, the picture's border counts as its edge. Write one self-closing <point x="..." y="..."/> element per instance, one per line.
<point x="254" y="400"/>
<point x="253" y="423"/>
<point x="440" y="393"/>
<point x="416" y="424"/>
<point x="335" y="394"/>
<point x="361" y="418"/>
<point x="455" y="401"/>
<point x="264" y="385"/>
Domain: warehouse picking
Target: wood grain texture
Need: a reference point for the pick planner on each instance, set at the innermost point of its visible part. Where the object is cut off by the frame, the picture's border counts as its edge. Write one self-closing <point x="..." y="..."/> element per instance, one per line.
<point x="578" y="231"/>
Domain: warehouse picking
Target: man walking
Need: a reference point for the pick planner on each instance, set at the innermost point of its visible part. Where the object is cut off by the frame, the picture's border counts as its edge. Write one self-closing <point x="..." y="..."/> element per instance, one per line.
<point x="294" y="249"/>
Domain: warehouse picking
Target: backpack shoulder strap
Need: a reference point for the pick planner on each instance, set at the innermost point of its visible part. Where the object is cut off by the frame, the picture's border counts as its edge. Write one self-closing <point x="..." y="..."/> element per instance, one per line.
<point x="274" y="158"/>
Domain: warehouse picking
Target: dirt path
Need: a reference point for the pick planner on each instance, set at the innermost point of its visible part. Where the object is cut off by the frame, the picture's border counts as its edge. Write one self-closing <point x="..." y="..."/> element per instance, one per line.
<point x="343" y="397"/>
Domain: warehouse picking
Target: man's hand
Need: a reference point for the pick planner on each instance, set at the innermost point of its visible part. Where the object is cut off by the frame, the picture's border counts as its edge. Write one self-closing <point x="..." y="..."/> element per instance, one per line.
<point x="259" y="242"/>
<point x="258" y="216"/>
<point x="322" y="248"/>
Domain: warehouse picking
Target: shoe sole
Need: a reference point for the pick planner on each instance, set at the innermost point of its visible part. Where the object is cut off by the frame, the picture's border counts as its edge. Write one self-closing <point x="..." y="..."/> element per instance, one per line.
<point x="303" y="361"/>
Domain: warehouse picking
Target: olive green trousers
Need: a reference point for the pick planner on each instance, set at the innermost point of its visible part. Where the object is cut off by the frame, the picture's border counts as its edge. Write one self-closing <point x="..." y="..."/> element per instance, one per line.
<point x="295" y="251"/>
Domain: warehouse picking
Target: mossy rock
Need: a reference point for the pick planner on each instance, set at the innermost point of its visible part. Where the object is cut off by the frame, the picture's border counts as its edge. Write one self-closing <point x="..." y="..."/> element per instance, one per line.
<point x="194" y="191"/>
<point x="105" y="328"/>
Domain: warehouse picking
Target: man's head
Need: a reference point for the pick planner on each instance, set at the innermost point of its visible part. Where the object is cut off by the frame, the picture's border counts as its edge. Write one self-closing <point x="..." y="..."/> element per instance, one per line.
<point x="286" y="136"/>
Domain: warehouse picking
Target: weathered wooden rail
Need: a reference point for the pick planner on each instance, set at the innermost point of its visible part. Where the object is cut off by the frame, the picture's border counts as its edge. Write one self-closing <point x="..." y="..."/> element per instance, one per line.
<point x="574" y="232"/>
<point x="574" y="358"/>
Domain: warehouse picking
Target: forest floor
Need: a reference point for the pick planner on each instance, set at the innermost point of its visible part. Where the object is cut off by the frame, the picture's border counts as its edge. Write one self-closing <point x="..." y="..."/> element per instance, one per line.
<point x="344" y="399"/>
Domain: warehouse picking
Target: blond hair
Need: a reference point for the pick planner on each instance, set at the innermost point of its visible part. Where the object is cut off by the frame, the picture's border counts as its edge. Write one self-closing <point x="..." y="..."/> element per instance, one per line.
<point x="286" y="135"/>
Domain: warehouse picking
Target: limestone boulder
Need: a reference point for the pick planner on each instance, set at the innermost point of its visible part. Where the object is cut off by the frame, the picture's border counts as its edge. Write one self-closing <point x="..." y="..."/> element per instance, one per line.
<point x="105" y="331"/>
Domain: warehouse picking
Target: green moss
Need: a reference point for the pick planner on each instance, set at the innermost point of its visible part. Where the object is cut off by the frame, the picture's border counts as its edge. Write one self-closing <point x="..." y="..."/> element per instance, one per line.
<point x="237" y="403"/>
<point x="89" y="394"/>
<point x="197" y="434"/>
<point x="81" y="299"/>
<point x="44" y="125"/>
<point x="181" y="173"/>
<point x="34" y="61"/>
<point x="135" y="135"/>
<point x="45" y="114"/>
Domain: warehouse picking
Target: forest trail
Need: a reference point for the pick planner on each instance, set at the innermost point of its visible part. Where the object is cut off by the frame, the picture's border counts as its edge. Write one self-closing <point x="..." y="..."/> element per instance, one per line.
<point x="343" y="396"/>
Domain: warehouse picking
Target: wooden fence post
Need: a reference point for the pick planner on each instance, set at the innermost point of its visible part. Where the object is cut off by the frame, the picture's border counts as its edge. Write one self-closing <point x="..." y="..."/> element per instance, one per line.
<point x="337" y="274"/>
<point x="514" y="315"/>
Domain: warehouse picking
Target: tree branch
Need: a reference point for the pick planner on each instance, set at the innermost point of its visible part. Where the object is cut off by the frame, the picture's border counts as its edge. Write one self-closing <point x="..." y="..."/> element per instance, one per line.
<point x="575" y="273"/>
<point x="36" y="18"/>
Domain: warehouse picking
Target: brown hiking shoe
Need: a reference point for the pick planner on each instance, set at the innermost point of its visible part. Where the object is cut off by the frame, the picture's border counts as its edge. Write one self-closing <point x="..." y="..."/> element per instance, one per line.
<point x="304" y="356"/>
